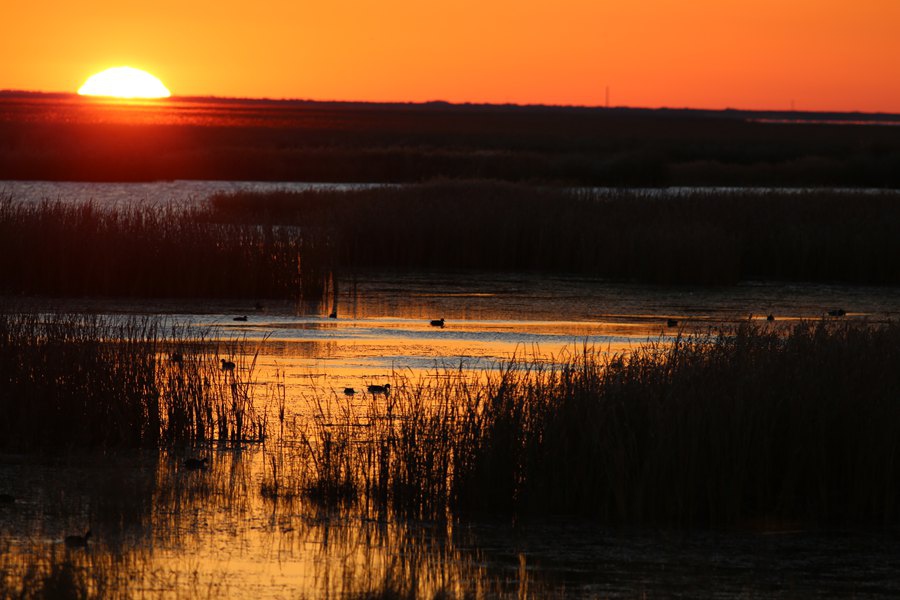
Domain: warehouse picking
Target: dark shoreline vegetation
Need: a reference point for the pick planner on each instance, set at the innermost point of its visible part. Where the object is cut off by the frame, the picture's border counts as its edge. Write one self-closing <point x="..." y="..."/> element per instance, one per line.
<point x="70" y="381"/>
<point x="64" y="137"/>
<point x="759" y="427"/>
<point x="299" y="246"/>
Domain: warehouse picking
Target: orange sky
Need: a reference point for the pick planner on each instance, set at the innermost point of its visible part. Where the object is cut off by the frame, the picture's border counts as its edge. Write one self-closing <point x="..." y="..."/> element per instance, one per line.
<point x="820" y="54"/>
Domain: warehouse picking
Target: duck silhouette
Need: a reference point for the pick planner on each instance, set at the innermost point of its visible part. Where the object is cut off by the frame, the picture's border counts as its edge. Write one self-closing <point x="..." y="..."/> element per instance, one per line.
<point x="78" y="541"/>
<point x="380" y="389"/>
<point x="196" y="464"/>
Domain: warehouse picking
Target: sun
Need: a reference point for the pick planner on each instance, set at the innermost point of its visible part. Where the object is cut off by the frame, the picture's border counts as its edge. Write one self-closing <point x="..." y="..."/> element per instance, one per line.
<point x="124" y="82"/>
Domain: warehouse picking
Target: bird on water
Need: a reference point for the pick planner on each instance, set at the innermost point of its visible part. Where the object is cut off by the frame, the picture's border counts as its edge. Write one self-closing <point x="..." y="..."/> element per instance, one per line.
<point x="78" y="541"/>
<point x="672" y="322"/>
<point x="241" y="318"/>
<point x="195" y="464"/>
<point x="380" y="389"/>
<point x="348" y="391"/>
<point x="437" y="322"/>
<point x="227" y="365"/>
<point x="838" y="312"/>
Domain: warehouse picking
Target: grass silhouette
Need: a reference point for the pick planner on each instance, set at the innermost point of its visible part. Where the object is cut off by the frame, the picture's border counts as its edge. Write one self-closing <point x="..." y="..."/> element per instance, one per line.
<point x="753" y="428"/>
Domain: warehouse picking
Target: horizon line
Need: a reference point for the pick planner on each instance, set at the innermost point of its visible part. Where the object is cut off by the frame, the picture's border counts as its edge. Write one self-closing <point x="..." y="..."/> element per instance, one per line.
<point x="437" y="102"/>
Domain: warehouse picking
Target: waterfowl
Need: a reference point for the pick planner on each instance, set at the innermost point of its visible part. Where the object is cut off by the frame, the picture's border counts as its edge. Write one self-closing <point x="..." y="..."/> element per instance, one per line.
<point x="195" y="464"/>
<point x="241" y="318"/>
<point x="380" y="389"/>
<point x="770" y="318"/>
<point x="78" y="541"/>
<point x="671" y="322"/>
<point x="177" y="358"/>
<point x="333" y="315"/>
<point x="349" y="391"/>
<point x="227" y="365"/>
<point x="437" y="322"/>
<point x="838" y="312"/>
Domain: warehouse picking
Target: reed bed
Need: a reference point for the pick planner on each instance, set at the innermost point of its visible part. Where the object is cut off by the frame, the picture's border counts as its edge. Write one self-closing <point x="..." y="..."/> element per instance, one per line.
<point x="706" y="237"/>
<point x="753" y="428"/>
<point x="299" y="246"/>
<point x="56" y="249"/>
<point x="84" y="381"/>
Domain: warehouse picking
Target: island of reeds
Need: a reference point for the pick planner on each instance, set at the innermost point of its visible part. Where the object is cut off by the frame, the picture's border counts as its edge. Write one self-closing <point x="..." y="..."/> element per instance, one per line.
<point x="295" y="246"/>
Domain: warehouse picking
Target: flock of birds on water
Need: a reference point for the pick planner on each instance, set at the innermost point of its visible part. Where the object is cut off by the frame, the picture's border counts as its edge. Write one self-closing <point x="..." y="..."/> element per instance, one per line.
<point x="200" y="464"/>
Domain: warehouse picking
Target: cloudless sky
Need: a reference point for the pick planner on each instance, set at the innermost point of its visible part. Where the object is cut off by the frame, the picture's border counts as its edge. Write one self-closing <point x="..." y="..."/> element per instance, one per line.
<point x="763" y="54"/>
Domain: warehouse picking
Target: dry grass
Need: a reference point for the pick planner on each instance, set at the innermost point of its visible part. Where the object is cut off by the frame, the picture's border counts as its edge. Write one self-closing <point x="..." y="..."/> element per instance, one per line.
<point x="82" y="381"/>
<point x="751" y="426"/>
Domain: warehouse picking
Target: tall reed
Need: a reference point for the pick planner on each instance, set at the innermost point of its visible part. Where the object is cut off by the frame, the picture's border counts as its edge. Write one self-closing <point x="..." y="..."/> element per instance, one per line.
<point x="76" y="250"/>
<point x="298" y="246"/>
<point x="84" y="381"/>
<point x="753" y="426"/>
<point x="707" y="237"/>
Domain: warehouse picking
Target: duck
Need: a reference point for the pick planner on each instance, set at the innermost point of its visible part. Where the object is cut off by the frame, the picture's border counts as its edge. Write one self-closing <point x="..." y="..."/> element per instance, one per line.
<point x="78" y="541"/>
<point x="227" y="365"/>
<point x="241" y="318"/>
<point x="770" y="318"/>
<point x="349" y="391"/>
<point x="380" y="389"/>
<point x="838" y="312"/>
<point x="671" y="322"/>
<point x="437" y="322"/>
<point x="195" y="464"/>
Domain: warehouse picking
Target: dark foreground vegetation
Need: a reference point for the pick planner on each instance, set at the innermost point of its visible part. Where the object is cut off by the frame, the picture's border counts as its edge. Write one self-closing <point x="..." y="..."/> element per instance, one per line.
<point x="757" y="428"/>
<point x="63" y="137"/>
<point x="296" y="246"/>
<point x="763" y="426"/>
<point x="85" y="382"/>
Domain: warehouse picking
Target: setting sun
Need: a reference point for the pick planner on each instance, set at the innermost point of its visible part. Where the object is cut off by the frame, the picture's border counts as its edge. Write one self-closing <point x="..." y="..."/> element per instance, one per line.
<point x="124" y="82"/>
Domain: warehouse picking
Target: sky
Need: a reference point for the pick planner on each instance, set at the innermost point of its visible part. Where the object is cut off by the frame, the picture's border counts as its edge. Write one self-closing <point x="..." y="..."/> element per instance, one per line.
<point x="747" y="54"/>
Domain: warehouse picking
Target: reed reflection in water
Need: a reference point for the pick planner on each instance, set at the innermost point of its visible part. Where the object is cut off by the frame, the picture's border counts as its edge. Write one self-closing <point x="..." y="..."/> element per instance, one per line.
<point x="165" y="532"/>
<point x="160" y="530"/>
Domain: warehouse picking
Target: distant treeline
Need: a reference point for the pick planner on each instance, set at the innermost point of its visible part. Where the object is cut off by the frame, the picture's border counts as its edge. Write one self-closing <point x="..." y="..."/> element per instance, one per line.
<point x="294" y="245"/>
<point x="65" y="139"/>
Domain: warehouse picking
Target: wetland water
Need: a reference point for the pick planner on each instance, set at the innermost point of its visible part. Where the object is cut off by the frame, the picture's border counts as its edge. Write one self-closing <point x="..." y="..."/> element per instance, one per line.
<point x="160" y="530"/>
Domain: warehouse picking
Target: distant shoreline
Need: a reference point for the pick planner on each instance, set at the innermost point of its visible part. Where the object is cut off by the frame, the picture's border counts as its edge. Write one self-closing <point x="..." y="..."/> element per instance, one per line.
<point x="65" y="137"/>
